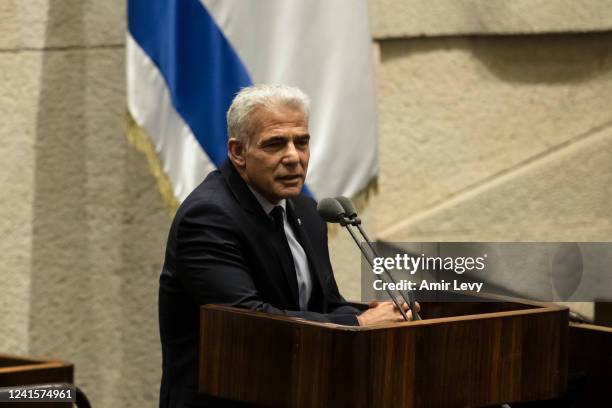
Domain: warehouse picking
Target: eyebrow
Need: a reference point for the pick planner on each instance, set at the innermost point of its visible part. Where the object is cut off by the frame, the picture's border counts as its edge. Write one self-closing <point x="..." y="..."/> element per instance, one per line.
<point x="279" y="138"/>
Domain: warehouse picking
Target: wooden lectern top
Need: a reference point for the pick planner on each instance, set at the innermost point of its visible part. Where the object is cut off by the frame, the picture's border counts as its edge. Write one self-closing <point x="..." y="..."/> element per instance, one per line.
<point x="462" y="354"/>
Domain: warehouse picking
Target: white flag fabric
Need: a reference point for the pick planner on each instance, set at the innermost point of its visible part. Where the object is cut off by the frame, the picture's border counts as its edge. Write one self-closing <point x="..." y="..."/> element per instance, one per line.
<point x="186" y="59"/>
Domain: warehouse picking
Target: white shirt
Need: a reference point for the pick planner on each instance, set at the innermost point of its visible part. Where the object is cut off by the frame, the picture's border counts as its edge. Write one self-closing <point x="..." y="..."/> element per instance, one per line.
<point x="302" y="271"/>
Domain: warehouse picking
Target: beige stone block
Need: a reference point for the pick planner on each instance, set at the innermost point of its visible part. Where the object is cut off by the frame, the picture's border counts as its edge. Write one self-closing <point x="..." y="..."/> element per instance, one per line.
<point x="61" y="23"/>
<point x="416" y="18"/>
<point x="562" y="196"/>
<point x="18" y="99"/>
<point x="455" y="113"/>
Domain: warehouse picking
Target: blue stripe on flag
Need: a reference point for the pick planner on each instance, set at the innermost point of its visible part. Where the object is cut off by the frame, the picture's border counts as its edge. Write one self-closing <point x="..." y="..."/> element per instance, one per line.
<point x="201" y="69"/>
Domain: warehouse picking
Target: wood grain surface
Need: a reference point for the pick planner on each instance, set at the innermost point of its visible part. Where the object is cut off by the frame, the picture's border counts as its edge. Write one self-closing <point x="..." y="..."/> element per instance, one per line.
<point x="462" y="354"/>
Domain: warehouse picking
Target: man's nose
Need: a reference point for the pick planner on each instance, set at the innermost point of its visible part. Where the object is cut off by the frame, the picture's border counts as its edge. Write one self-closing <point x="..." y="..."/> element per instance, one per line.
<point x="291" y="154"/>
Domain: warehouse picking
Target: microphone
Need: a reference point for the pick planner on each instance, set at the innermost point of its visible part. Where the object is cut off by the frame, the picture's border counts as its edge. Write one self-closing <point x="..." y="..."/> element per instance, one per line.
<point x="347" y="206"/>
<point x="332" y="211"/>
<point x="351" y="213"/>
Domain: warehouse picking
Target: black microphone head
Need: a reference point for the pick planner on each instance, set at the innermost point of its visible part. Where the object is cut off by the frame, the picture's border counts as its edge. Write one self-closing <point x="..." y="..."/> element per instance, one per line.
<point x="330" y="210"/>
<point x="347" y="206"/>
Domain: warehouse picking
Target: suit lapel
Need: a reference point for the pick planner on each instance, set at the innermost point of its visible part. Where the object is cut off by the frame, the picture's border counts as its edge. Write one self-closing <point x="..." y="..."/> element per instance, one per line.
<point x="241" y="191"/>
<point x="249" y="203"/>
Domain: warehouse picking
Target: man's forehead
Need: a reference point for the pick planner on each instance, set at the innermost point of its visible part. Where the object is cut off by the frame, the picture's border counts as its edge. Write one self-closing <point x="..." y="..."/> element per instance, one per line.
<point x="279" y="116"/>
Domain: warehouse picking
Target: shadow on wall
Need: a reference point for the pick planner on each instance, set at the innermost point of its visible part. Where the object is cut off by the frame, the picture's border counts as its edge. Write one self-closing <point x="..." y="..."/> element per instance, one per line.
<point x="61" y="283"/>
<point x="529" y="59"/>
<point x="99" y="225"/>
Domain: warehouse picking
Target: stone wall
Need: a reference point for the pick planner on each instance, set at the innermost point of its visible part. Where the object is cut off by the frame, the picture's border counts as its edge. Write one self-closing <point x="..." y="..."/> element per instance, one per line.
<point x="494" y="124"/>
<point x="83" y="226"/>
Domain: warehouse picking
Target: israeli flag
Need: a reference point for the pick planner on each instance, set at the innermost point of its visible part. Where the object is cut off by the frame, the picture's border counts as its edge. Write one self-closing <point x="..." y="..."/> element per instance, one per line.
<point x="186" y="59"/>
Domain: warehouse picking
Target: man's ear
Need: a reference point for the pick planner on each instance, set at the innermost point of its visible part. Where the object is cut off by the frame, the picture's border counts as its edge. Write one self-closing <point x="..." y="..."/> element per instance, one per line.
<point x="236" y="152"/>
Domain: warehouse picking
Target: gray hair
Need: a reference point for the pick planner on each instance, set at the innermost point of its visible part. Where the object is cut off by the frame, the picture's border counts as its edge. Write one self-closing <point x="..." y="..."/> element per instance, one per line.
<point x="268" y="96"/>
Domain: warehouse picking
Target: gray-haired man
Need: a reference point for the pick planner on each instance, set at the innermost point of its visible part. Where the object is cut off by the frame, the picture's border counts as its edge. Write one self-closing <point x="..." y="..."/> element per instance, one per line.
<point x="246" y="237"/>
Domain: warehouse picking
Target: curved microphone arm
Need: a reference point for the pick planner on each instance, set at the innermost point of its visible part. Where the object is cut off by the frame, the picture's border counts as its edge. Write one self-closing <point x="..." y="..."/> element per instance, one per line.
<point x="350" y="218"/>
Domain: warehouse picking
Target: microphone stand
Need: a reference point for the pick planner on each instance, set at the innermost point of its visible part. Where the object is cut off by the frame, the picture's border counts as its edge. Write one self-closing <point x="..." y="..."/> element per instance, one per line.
<point x="409" y="298"/>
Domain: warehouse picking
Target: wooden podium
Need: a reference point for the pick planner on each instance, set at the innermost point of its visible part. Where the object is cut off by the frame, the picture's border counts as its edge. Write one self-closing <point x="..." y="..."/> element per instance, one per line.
<point x="462" y="355"/>
<point x="19" y="371"/>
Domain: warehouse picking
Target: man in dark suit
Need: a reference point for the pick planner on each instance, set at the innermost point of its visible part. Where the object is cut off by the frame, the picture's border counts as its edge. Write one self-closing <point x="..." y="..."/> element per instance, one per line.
<point x="246" y="237"/>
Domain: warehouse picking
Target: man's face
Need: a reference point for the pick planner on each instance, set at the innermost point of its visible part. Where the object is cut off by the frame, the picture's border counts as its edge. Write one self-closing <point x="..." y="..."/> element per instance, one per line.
<point x="276" y="159"/>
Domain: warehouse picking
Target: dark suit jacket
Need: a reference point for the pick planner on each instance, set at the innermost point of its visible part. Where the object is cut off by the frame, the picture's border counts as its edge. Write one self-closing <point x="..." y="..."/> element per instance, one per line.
<point x="221" y="249"/>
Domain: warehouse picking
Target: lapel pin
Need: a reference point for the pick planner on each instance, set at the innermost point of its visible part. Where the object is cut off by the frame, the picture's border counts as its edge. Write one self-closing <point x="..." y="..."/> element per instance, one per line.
<point x="299" y="221"/>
